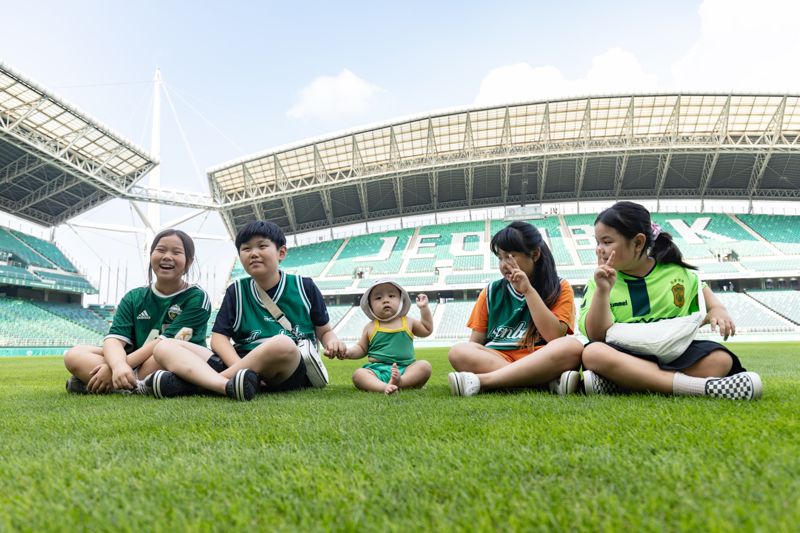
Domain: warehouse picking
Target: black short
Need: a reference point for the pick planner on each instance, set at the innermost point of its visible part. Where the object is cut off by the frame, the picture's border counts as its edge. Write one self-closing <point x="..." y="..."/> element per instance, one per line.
<point x="696" y="351"/>
<point x="298" y="379"/>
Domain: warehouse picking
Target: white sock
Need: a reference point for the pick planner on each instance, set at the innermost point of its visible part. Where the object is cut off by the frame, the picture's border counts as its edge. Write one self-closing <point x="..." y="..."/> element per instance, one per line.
<point x="683" y="385"/>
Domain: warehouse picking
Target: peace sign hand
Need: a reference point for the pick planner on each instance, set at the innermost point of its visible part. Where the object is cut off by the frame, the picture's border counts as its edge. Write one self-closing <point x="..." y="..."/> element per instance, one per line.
<point x="605" y="276"/>
<point x="518" y="279"/>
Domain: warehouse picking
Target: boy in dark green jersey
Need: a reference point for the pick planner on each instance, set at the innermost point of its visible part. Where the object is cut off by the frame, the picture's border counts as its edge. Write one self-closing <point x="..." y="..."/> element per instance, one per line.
<point x="641" y="277"/>
<point x="169" y="308"/>
<point x="388" y="340"/>
<point x="246" y="337"/>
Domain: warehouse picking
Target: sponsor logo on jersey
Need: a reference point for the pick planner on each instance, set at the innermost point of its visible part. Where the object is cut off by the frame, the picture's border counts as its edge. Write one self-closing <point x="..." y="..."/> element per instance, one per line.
<point x="174" y="311"/>
<point x="505" y="332"/>
<point x="678" y="295"/>
<point x="253" y="337"/>
<point x="144" y="315"/>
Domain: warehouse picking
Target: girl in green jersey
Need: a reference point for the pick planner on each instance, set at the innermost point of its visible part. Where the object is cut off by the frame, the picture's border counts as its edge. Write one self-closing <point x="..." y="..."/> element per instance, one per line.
<point x="641" y="277"/>
<point x="168" y="308"/>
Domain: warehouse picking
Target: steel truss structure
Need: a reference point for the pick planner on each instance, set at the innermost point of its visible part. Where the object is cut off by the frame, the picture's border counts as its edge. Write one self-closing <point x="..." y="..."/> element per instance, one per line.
<point x="55" y="162"/>
<point x="658" y="146"/>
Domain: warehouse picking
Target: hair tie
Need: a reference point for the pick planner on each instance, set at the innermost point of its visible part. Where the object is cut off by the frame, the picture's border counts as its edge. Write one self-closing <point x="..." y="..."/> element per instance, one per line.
<point x="655" y="229"/>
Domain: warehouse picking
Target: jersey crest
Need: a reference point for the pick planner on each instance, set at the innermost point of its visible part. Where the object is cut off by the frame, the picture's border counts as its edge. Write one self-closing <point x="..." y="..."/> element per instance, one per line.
<point x="174" y="311"/>
<point x="678" y="294"/>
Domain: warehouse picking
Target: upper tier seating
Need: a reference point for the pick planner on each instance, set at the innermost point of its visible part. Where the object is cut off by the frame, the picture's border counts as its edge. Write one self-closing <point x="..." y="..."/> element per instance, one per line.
<point x="9" y="243"/>
<point x="48" y="250"/>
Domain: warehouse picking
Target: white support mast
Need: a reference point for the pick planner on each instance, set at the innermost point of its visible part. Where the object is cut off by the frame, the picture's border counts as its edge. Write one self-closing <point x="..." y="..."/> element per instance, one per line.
<point x="153" y="222"/>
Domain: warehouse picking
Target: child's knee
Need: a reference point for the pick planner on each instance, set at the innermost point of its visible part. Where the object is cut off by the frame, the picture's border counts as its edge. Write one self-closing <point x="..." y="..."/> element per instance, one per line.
<point x="456" y="353"/>
<point x="71" y="358"/>
<point x="424" y="367"/>
<point x="163" y="348"/>
<point x="594" y="355"/>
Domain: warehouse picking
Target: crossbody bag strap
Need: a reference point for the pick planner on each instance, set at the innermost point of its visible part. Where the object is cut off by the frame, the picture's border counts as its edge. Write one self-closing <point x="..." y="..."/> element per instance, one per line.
<point x="273" y="308"/>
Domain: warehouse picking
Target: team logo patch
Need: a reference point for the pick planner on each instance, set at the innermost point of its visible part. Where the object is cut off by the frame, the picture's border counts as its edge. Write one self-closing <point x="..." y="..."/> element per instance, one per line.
<point x="678" y="295"/>
<point x="174" y="311"/>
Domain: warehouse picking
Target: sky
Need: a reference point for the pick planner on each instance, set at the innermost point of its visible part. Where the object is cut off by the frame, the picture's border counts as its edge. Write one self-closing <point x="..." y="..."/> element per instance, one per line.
<point x="245" y="77"/>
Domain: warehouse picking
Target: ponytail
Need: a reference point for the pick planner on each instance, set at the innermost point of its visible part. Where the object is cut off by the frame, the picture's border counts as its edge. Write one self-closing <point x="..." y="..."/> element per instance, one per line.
<point x="664" y="250"/>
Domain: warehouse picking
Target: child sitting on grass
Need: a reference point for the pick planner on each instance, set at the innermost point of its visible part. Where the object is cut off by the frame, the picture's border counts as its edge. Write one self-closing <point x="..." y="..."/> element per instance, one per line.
<point x="388" y="340"/>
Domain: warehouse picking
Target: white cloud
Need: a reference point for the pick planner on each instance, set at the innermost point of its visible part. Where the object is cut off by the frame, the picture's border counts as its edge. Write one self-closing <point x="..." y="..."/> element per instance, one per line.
<point x="331" y="97"/>
<point x="615" y="71"/>
<point x="744" y="45"/>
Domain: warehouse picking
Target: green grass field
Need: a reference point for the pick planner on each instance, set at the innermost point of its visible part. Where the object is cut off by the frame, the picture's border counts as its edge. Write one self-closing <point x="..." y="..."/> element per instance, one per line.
<point x="346" y="460"/>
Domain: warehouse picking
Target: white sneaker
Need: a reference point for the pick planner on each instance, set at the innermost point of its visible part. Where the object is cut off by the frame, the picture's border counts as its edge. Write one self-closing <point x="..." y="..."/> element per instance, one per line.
<point x="567" y="383"/>
<point x="315" y="369"/>
<point x="463" y="383"/>
<point x="594" y="383"/>
<point x="741" y="386"/>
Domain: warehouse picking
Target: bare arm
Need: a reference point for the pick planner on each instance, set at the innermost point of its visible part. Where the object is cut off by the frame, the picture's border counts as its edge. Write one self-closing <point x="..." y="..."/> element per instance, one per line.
<point x="360" y="348"/>
<point x="718" y="315"/>
<point x="221" y="345"/>
<point x="547" y="324"/>
<point x="121" y="373"/>
<point x="478" y="337"/>
<point x="599" y="317"/>
<point x="424" y="326"/>
<point x="330" y="341"/>
<point x="137" y="357"/>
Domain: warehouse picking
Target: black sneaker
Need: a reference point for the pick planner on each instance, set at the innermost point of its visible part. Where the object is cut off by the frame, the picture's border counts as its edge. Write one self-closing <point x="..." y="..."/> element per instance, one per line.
<point x="243" y="386"/>
<point x="164" y="384"/>
<point x="76" y="386"/>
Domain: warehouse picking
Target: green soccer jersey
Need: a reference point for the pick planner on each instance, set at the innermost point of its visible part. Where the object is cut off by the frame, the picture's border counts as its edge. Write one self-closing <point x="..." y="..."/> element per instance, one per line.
<point x="509" y="316"/>
<point x="145" y="314"/>
<point x="667" y="291"/>
<point x="253" y="323"/>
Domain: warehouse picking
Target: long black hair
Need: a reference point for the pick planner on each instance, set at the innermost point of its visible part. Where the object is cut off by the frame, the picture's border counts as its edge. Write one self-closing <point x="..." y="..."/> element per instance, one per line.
<point x="631" y="219"/>
<point x="524" y="238"/>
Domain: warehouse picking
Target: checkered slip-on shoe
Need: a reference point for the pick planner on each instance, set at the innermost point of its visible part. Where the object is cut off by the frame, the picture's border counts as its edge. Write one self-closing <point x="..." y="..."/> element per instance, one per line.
<point x="164" y="384"/>
<point x="243" y="386"/>
<point x="463" y="383"/>
<point x="741" y="386"/>
<point x="594" y="384"/>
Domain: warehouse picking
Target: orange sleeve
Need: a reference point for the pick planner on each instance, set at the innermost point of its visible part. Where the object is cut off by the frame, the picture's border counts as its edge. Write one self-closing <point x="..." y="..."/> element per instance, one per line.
<point x="564" y="308"/>
<point x="479" y="318"/>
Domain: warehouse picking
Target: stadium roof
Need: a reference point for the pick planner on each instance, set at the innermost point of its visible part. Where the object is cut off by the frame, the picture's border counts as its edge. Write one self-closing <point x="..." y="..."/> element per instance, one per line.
<point x="656" y="146"/>
<point x="56" y="162"/>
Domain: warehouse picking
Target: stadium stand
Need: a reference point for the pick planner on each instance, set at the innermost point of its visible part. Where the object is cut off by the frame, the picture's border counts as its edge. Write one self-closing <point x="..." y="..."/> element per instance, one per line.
<point x="311" y="259"/>
<point x="76" y="314"/>
<point x="378" y="253"/>
<point x="23" y="323"/>
<point x="24" y="253"/>
<point x="66" y="282"/>
<point x="785" y="303"/>
<point x="750" y="316"/>
<point x="781" y="231"/>
<point x="452" y="325"/>
<point x="48" y="250"/>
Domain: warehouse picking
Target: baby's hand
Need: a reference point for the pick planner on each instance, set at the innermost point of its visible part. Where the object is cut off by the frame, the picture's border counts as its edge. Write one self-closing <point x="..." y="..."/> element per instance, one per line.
<point x="422" y="300"/>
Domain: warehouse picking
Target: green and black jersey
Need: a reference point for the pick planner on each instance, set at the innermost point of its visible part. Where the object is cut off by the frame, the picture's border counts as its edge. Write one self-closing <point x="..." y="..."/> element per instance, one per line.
<point x="667" y="291"/>
<point x="244" y="319"/>
<point x="145" y="314"/>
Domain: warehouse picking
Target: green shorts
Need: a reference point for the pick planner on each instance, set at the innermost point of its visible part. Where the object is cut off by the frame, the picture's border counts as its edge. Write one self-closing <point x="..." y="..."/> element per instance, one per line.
<point x="384" y="370"/>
